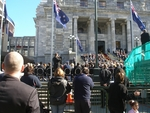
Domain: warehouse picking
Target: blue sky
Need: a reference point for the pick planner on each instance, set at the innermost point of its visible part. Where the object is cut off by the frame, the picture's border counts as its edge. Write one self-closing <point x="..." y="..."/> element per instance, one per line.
<point x="22" y="13"/>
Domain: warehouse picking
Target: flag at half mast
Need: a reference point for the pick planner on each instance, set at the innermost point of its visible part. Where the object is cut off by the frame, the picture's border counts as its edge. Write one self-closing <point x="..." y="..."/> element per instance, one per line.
<point x="79" y="44"/>
<point x="60" y="16"/>
<point x="136" y="18"/>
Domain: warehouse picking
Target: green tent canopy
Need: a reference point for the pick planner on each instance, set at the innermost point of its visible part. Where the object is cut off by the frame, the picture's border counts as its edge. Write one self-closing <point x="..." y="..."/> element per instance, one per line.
<point x="138" y="65"/>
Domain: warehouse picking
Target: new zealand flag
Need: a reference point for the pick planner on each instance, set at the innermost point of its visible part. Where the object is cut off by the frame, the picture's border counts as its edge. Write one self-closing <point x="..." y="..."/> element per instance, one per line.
<point x="136" y="18"/>
<point x="60" y="16"/>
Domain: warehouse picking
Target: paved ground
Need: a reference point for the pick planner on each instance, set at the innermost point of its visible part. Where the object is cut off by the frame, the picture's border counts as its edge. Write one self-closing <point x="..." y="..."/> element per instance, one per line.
<point x="98" y="109"/>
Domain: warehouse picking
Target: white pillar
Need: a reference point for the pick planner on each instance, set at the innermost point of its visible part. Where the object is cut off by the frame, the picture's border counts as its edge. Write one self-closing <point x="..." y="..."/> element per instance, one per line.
<point x="109" y="34"/>
<point x="75" y="25"/>
<point x="91" y="43"/>
<point x="128" y="36"/>
<point x="36" y="43"/>
<point x="123" y="36"/>
<point x="113" y="35"/>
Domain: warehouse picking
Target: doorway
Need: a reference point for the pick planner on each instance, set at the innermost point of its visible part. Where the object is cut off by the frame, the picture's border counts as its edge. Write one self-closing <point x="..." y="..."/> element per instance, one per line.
<point x="118" y="45"/>
<point x="101" y="46"/>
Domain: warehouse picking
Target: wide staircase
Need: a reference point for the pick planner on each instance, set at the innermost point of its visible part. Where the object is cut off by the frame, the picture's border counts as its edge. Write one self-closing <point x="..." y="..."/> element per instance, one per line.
<point x="96" y="102"/>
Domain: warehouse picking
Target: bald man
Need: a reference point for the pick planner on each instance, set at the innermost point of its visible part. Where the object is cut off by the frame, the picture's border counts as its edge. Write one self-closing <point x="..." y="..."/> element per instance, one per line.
<point x="15" y="96"/>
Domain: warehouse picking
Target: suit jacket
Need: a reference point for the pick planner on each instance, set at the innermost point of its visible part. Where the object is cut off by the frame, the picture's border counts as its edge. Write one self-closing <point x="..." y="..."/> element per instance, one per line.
<point x="117" y="94"/>
<point x="17" y="97"/>
<point x="145" y="38"/>
<point x="56" y="61"/>
<point x="104" y="76"/>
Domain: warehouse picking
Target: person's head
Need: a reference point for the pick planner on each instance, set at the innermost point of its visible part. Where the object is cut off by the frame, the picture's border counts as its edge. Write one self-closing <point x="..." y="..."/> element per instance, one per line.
<point x="72" y="65"/>
<point x="144" y="31"/>
<point x="29" y="69"/>
<point x="41" y="63"/>
<point x="105" y="66"/>
<point x="134" y="104"/>
<point x="120" y="75"/>
<point x="56" y="54"/>
<point x="59" y="72"/>
<point x="85" y="70"/>
<point x="13" y="64"/>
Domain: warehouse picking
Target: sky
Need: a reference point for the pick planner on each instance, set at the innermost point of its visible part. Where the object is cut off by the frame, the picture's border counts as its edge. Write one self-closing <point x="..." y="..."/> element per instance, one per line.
<point x="22" y="13"/>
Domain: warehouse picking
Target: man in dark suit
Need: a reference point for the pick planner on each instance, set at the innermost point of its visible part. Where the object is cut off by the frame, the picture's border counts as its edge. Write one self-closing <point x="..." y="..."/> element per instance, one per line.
<point x="104" y="77"/>
<point x="145" y="37"/>
<point x="82" y="85"/>
<point x="16" y="96"/>
<point x="56" y="61"/>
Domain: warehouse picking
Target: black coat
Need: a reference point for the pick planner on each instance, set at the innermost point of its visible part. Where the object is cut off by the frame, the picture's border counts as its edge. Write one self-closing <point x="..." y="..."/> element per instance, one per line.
<point x="56" y="62"/>
<point x="58" y="87"/>
<point x="118" y="93"/>
<point x="145" y="38"/>
<point x="31" y="80"/>
<point x="17" y="97"/>
<point x="104" y="76"/>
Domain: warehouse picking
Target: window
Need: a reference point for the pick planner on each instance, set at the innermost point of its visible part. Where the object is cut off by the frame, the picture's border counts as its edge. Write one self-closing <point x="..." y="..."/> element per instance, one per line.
<point x="118" y="29"/>
<point x="25" y="42"/>
<point x="25" y="52"/>
<point x="31" y="42"/>
<point x="31" y="52"/>
<point x="102" y="4"/>
<point x="120" y="5"/>
<point x="13" y="42"/>
<point x="84" y="3"/>
<point x="99" y="31"/>
<point x="58" y="25"/>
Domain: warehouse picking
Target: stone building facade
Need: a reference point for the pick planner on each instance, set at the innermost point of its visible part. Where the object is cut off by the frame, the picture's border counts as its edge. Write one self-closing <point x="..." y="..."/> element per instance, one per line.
<point x="24" y="45"/>
<point x="114" y="26"/>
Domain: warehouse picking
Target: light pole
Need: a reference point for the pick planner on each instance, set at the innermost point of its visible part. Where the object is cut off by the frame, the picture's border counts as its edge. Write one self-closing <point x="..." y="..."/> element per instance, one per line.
<point x="136" y="41"/>
<point x="71" y="37"/>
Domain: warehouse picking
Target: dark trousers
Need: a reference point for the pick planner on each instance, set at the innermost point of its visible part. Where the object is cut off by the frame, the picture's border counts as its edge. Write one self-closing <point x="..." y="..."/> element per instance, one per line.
<point x="102" y="99"/>
<point x="82" y="106"/>
<point x="112" y="110"/>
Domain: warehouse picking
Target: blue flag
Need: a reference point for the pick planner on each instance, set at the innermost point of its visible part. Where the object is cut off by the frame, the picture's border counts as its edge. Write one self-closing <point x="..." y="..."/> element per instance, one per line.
<point x="5" y="13"/>
<point x="60" y="16"/>
<point x="136" y="18"/>
<point x="79" y="44"/>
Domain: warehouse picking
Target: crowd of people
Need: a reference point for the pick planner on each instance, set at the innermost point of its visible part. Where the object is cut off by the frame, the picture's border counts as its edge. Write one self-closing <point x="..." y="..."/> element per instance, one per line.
<point x="18" y="93"/>
<point x="120" y="54"/>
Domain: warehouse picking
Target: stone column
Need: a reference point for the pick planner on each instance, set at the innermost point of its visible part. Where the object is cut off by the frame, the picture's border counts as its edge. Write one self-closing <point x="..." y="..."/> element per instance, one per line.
<point x="91" y="43"/>
<point x="123" y="36"/>
<point x="128" y="36"/>
<point x="109" y="34"/>
<point x="36" y="43"/>
<point x="28" y="47"/>
<point x="75" y="29"/>
<point x="113" y="35"/>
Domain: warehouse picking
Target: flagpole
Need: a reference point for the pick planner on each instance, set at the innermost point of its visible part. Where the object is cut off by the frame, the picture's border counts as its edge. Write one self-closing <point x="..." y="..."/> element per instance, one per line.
<point x="1" y="34"/>
<point x="131" y="25"/>
<point x="52" y="31"/>
<point x="96" y="42"/>
<point x="76" y="51"/>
